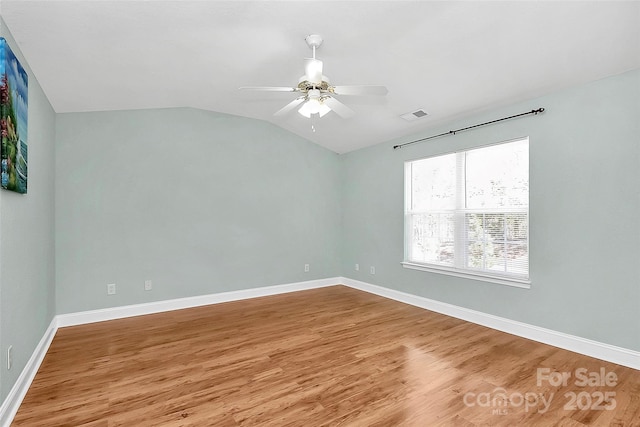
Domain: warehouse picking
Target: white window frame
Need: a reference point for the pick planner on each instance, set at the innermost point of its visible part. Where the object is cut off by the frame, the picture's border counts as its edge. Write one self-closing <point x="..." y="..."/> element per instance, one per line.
<point x="459" y="269"/>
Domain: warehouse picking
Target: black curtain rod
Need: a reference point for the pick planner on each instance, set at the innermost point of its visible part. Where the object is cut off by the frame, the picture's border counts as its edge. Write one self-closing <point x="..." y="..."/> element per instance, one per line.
<point x="453" y="132"/>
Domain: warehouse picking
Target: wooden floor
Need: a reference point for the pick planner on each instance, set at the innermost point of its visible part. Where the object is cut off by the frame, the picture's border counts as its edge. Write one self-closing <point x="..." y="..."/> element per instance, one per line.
<point x="325" y="357"/>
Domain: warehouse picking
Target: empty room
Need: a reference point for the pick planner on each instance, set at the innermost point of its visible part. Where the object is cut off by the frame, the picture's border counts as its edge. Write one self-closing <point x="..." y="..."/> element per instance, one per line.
<point x="319" y="213"/>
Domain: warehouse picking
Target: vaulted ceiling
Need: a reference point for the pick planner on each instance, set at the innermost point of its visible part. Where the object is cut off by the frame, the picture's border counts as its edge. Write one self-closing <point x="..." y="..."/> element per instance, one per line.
<point x="450" y="58"/>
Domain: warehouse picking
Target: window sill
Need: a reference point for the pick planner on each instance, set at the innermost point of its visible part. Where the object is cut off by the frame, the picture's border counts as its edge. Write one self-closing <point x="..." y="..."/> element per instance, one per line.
<point x="518" y="283"/>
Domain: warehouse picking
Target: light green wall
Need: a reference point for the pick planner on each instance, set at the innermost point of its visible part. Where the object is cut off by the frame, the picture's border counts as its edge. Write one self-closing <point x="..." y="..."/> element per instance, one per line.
<point x="584" y="204"/>
<point x="126" y="211"/>
<point x="27" y="240"/>
<point x="197" y="202"/>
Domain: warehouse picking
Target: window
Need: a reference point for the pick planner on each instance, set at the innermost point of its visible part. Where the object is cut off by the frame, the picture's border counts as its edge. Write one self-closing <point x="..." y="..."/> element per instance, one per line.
<point x="467" y="213"/>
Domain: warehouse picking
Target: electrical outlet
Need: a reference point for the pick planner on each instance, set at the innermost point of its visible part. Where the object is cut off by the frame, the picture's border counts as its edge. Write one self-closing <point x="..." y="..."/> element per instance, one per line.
<point x="357" y="267"/>
<point x="9" y="357"/>
<point x="148" y="285"/>
<point x="306" y="268"/>
<point x="111" y="289"/>
<point x="372" y="270"/>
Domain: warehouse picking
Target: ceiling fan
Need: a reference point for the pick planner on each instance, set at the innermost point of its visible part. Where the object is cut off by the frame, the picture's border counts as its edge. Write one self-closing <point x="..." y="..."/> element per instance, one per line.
<point x="317" y="94"/>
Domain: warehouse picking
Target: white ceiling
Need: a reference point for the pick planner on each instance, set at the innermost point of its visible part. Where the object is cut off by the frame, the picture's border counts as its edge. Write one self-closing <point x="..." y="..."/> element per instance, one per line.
<point x="451" y="58"/>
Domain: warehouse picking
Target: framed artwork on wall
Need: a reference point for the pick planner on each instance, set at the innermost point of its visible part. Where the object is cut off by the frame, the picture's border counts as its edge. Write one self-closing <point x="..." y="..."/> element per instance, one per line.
<point x="13" y="120"/>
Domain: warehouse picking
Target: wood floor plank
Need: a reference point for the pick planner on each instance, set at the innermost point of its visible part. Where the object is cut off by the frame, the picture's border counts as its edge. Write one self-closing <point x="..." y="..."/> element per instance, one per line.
<point x="325" y="357"/>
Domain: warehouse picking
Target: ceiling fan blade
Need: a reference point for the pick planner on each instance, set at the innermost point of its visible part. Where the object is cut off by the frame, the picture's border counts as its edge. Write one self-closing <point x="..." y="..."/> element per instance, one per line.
<point x="270" y="88"/>
<point x="360" y="90"/>
<point x="313" y="70"/>
<point x="290" y="106"/>
<point x="339" y="108"/>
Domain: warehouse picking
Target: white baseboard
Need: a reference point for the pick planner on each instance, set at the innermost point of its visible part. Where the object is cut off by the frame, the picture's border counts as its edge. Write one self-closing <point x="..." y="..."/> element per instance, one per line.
<point x="11" y="404"/>
<point x="610" y="353"/>
<point x="101" y="315"/>
<point x="607" y="352"/>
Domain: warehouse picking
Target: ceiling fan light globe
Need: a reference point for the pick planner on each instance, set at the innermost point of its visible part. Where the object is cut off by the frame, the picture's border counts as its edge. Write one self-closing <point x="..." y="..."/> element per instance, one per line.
<point x="313" y="106"/>
<point x="314" y="94"/>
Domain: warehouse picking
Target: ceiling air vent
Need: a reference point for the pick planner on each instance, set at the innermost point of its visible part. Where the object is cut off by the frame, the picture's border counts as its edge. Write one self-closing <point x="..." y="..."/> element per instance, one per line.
<point x="414" y="115"/>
